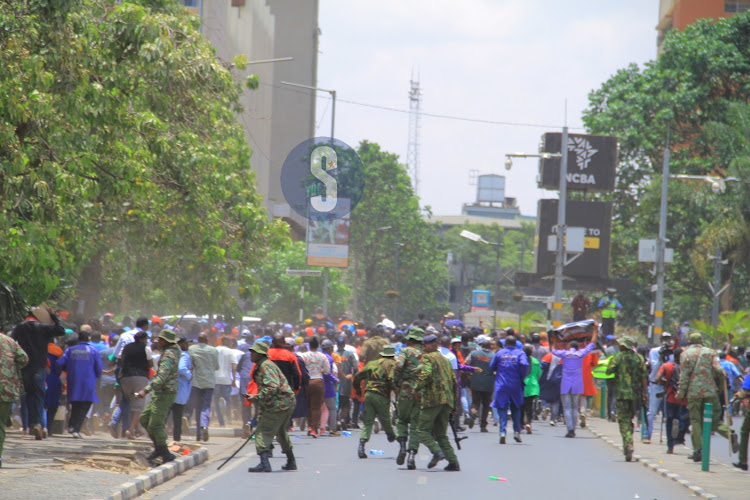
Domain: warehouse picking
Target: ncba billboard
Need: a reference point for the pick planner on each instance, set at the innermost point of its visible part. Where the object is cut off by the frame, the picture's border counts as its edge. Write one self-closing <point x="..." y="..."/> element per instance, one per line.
<point x="591" y="162"/>
<point x="596" y="219"/>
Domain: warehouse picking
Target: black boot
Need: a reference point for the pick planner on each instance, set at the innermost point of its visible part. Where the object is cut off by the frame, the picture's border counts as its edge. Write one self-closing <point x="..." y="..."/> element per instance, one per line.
<point x="361" y="450"/>
<point x="291" y="463"/>
<point x="410" y="462"/>
<point x="453" y="466"/>
<point x="436" y="457"/>
<point x="166" y="455"/>
<point x="402" y="451"/>
<point x="263" y="466"/>
<point x="391" y="438"/>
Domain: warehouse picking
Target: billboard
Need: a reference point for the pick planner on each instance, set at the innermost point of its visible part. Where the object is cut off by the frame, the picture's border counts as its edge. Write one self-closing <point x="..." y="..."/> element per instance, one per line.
<point x="591" y="162"/>
<point x="328" y="241"/>
<point x="595" y="217"/>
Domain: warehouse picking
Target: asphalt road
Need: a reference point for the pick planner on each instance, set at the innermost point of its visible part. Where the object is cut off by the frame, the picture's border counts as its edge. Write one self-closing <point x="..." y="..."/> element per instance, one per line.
<point x="545" y="465"/>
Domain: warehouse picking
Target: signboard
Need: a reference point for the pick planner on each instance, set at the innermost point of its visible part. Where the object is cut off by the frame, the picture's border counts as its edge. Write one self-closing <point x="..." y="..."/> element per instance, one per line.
<point x="647" y="252"/>
<point x="328" y="241"/>
<point x="591" y="162"/>
<point x="303" y="272"/>
<point x="595" y="217"/>
<point x="480" y="300"/>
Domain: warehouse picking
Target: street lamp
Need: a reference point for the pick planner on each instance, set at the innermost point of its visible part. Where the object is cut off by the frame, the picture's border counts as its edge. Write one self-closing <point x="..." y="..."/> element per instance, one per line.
<point x="333" y="122"/>
<point x="478" y="239"/>
<point x="560" y="250"/>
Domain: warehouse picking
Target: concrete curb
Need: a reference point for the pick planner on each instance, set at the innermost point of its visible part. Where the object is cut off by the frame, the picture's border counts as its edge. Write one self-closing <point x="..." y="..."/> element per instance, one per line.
<point x="694" y="489"/>
<point x="141" y="484"/>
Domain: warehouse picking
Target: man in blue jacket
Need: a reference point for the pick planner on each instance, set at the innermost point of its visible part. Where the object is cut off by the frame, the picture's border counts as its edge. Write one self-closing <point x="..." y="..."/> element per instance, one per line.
<point x="83" y="366"/>
<point x="510" y="365"/>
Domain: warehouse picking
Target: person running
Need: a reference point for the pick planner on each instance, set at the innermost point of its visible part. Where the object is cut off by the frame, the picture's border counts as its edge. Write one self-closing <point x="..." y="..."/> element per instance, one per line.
<point x="183" y="392"/>
<point x="438" y="390"/>
<point x="347" y="371"/>
<point x="630" y="378"/>
<point x="317" y="365"/>
<point x="481" y="383"/>
<point x="530" y="388"/>
<point x="511" y="366"/>
<point x="676" y="409"/>
<point x="163" y="389"/>
<point x="379" y="375"/>
<point x="406" y="374"/>
<point x="83" y="367"/>
<point x="571" y="385"/>
<point x="276" y="403"/>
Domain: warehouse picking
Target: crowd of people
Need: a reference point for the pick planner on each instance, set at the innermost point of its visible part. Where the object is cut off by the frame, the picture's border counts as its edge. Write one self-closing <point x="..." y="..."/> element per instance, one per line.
<point x="327" y="377"/>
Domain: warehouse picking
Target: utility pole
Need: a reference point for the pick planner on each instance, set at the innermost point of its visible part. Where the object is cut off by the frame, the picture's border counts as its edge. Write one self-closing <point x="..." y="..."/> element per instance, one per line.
<point x="560" y="253"/>
<point x="716" y="291"/>
<point x="661" y="247"/>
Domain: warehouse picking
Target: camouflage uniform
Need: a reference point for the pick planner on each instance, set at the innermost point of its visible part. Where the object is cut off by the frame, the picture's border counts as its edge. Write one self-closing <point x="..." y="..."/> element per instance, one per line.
<point x="371" y="349"/>
<point x="276" y="402"/>
<point x="438" y="389"/>
<point x="380" y="383"/>
<point x="163" y="389"/>
<point x="407" y="372"/>
<point x="699" y="371"/>
<point x="629" y="370"/>
<point x="12" y="359"/>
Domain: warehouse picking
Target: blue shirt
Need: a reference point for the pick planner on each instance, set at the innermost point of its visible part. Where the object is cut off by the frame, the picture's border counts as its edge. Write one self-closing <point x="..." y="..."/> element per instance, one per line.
<point x="185" y="370"/>
<point x="83" y="366"/>
<point x="511" y="367"/>
<point x="572" y="368"/>
<point x="732" y="372"/>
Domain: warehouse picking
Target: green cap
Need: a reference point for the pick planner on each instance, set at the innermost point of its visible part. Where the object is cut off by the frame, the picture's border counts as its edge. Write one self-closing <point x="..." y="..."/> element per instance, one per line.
<point x="260" y="348"/>
<point x="415" y="333"/>
<point x="695" y="338"/>
<point x="626" y="342"/>
<point x="388" y="351"/>
<point x="168" y="335"/>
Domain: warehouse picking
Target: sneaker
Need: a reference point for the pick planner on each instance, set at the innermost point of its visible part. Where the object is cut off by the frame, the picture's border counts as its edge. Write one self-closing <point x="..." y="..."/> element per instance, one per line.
<point x="528" y="428"/>
<point x="502" y="438"/>
<point x="646" y="440"/>
<point x="204" y="433"/>
<point x="246" y="431"/>
<point x="36" y="431"/>
<point x="582" y="420"/>
<point x="545" y="413"/>
<point x="483" y="429"/>
<point x="113" y="431"/>
<point x="77" y="435"/>
<point x="552" y="423"/>
<point x="517" y="437"/>
<point x="334" y="433"/>
<point x="570" y="434"/>
<point x="670" y="451"/>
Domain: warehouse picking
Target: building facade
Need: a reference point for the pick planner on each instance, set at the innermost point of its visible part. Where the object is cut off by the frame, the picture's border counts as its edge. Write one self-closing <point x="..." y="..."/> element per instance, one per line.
<point x="677" y="14"/>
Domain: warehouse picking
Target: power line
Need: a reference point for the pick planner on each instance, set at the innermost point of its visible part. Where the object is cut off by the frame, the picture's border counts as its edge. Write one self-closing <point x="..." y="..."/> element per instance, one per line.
<point x="430" y="115"/>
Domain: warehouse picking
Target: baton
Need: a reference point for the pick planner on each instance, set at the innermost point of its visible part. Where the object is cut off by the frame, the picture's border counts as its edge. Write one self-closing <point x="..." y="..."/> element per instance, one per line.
<point x="238" y="449"/>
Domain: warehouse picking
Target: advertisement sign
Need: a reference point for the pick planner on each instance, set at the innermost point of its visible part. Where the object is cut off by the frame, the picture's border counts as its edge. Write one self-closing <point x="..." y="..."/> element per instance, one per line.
<point x="480" y="300"/>
<point x="595" y="217"/>
<point x="328" y="240"/>
<point x="591" y="162"/>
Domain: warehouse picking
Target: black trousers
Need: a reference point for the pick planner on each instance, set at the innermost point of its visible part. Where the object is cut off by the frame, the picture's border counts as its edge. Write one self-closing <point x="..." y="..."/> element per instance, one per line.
<point x="78" y="411"/>
<point x="345" y="404"/>
<point x="177" y="411"/>
<point x="482" y="398"/>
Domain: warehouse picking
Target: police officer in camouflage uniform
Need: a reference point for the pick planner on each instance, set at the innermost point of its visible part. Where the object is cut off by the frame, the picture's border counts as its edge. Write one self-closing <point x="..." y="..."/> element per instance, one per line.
<point x="408" y="367"/>
<point x="276" y="402"/>
<point x="700" y="372"/>
<point x="372" y="347"/>
<point x="380" y="383"/>
<point x="163" y="389"/>
<point x="438" y="389"/>
<point x="630" y="379"/>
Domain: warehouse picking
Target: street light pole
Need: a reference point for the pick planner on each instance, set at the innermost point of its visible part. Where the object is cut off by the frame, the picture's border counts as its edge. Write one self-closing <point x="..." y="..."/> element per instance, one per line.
<point x="661" y="247"/>
<point x="560" y="251"/>
<point x="333" y="124"/>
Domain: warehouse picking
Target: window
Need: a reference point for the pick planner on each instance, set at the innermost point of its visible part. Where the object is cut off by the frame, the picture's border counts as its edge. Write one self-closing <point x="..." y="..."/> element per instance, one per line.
<point x="736" y="6"/>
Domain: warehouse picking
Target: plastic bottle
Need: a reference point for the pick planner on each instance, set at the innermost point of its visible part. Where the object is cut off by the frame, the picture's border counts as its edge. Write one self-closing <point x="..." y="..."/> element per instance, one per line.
<point x="495" y="478"/>
<point x="346" y="434"/>
<point x="376" y="452"/>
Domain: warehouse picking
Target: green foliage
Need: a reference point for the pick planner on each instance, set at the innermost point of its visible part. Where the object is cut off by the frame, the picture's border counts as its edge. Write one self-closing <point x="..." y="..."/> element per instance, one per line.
<point x="531" y="321"/>
<point x="389" y="200"/>
<point x="687" y="95"/>
<point x="119" y="145"/>
<point x="733" y="327"/>
<point x="252" y="82"/>
<point x="279" y="295"/>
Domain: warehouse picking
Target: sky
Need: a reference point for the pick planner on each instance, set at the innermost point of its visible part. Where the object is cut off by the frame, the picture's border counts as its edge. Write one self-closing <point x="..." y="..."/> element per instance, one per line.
<point x="521" y="62"/>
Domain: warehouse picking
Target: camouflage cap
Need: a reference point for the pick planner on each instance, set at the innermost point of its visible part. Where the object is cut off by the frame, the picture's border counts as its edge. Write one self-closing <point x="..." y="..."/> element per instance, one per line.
<point x="695" y="338"/>
<point x="626" y="342"/>
<point x="415" y="333"/>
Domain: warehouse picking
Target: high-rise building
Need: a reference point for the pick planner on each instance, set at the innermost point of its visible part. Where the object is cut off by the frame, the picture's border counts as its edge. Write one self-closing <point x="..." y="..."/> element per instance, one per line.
<point x="276" y="117"/>
<point x="677" y="14"/>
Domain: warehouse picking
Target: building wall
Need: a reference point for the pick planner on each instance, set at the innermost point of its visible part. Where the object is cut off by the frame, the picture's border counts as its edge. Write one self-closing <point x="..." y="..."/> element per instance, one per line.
<point x="276" y="118"/>
<point x="678" y="14"/>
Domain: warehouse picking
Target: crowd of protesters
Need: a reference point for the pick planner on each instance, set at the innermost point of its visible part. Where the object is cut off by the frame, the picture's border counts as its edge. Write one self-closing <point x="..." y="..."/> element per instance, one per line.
<point x="332" y="376"/>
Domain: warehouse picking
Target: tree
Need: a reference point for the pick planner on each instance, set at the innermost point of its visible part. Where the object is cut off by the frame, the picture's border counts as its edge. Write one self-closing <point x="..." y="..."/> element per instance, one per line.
<point x="387" y="223"/>
<point x="121" y="159"/>
<point x="279" y="295"/>
<point x="700" y="72"/>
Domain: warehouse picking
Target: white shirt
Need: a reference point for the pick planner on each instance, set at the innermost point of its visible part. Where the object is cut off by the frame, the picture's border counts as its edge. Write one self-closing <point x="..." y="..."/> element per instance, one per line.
<point x="226" y="360"/>
<point x="451" y="357"/>
<point x="125" y="339"/>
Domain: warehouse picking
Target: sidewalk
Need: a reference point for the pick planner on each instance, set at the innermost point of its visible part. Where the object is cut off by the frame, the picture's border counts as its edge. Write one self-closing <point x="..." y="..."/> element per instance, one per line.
<point x="61" y="467"/>
<point x="721" y="481"/>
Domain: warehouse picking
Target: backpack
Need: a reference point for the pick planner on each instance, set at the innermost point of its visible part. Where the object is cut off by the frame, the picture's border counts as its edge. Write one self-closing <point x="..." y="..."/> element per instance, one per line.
<point x="674" y="381"/>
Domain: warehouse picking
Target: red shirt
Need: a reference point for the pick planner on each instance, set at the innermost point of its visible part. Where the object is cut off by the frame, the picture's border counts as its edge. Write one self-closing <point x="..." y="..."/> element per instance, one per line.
<point x="666" y="372"/>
